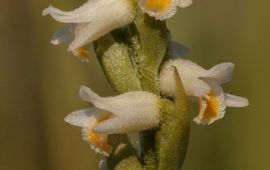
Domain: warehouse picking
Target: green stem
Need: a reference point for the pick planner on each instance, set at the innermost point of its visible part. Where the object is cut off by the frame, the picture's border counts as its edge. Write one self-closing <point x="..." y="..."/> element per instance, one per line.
<point x="149" y="41"/>
<point x="115" y="59"/>
<point x="150" y="44"/>
<point x="123" y="156"/>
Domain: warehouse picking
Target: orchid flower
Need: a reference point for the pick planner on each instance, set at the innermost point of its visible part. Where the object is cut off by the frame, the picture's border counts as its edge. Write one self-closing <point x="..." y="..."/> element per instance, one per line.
<point x="204" y="85"/>
<point x="89" y="22"/>
<point x="162" y="9"/>
<point x="126" y="113"/>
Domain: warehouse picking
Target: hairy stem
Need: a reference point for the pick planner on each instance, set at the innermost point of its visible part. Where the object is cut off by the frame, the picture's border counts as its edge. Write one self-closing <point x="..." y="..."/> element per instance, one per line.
<point x="131" y="59"/>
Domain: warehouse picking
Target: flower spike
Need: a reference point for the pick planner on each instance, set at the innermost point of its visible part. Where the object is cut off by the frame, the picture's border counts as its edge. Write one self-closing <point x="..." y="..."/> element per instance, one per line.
<point x="90" y="21"/>
<point x="203" y="85"/>
<point x="126" y="113"/>
<point x="162" y="9"/>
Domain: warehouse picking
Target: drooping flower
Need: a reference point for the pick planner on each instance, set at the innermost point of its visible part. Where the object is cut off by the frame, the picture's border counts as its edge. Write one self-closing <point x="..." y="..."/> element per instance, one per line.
<point x="89" y="22"/>
<point x="162" y="9"/>
<point x="204" y="85"/>
<point x="126" y="113"/>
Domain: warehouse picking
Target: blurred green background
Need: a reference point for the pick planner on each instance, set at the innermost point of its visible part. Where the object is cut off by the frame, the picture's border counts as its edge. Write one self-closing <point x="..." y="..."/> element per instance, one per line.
<point x="39" y="86"/>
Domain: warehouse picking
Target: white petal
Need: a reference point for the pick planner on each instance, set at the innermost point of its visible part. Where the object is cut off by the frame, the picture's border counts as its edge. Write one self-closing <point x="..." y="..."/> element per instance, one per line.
<point x="127" y="124"/>
<point x="85" y="117"/>
<point x="64" y="34"/>
<point x="189" y="73"/>
<point x="113" y="125"/>
<point x="189" y="68"/>
<point x="133" y="111"/>
<point x="177" y="50"/>
<point x="222" y="72"/>
<point x="236" y="101"/>
<point x="184" y="3"/>
<point x="89" y="32"/>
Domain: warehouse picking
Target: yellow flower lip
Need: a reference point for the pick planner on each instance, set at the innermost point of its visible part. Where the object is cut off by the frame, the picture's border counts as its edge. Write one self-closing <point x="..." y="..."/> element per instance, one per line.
<point x="98" y="141"/>
<point x="158" y="5"/>
<point x="162" y="9"/>
<point x="211" y="110"/>
<point x="82" y="53"/>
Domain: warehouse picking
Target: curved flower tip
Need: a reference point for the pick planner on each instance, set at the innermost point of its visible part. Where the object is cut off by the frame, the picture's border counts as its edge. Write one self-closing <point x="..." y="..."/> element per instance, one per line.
<point x="204" y="85"/>
<point x="162" y="9"/>
<point x="90" y="21"/>
<point x="125" y="113"/>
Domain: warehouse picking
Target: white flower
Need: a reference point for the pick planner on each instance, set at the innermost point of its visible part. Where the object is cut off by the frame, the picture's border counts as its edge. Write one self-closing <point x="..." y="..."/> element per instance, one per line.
<point x="90" y="21"/>
<point x="162" y="9"/>
<point x="204" y="85"/>
<point x="126" y="113"/>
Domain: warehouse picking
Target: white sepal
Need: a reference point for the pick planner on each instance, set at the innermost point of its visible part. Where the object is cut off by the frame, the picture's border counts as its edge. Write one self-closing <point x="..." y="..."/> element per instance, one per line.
<point x="236" y="101"/>
<point x="85" y="117"/>
<point x="222" y="73"/>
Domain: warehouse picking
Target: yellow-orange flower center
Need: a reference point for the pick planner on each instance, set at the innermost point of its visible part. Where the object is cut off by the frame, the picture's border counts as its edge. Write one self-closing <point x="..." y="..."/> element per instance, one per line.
<point x="83" y="53"/>
<point x="157" y="5"/>
<point x="99" y="140"/>
<point x="212" y="108"/>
